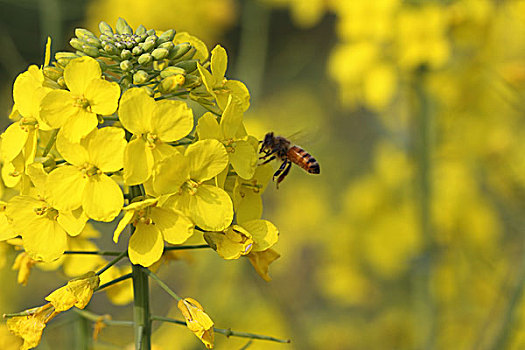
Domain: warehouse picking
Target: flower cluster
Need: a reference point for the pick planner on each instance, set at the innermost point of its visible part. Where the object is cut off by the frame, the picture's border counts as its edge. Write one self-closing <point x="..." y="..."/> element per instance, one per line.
<point x="108" y="129"/>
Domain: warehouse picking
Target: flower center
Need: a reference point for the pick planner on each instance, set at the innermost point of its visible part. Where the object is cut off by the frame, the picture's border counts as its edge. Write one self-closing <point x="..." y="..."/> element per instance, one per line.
<point x="89" y="170"/>
<point x="229" y="144"/>
<point x="151" y="140"/>
<point x="50" y="213"/>
<point x="81" y="102"/>
<point x="191" y="186"/>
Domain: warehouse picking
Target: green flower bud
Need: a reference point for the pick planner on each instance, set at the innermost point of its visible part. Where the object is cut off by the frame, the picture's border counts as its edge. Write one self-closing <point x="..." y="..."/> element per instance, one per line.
<point x="169" y="71"/>
<point x="188" y="65"/>
<point x="152" y="38"/>
<point x="125" y="54"/>
<point x="140" y="30"/>
<point x="61" y="82"/>
<point x="137" y="50"/>
<point x="159" y="54"/>
<point x="126" y="82"/>
<point x="53" y="73"/>
<point x="188" y="55"/>
<point x="142" y="37"/>
<point x="179" y="50"/>
<point x="149" y="90"/>
<point x="84" y="34"/>
<point x="93" y="42"/>
<point x="105" y="28"/>
<point x="107" y="38"/>
<point x="90" y="50"/>
<point x="110" y="49"/>
<point x="192" y="81"/>
<point x="166" y="36"/>
<point x="168" y="45"/>
<point x="148" y="45"/>
<point x="76" y="43"/>
<point x="145" y="59"/>
<point x="140" y="77"/>
<point x="151" y="32"/>
<point x="123" y="26"/>
<point x="126" y="66"/>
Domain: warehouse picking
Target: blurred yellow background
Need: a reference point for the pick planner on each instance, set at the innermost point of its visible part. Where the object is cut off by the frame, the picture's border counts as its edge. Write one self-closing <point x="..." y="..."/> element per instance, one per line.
<point x="413" y="235"/>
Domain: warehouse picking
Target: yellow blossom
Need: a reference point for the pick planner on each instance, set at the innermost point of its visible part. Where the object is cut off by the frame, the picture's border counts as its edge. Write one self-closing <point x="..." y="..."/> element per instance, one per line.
<point x="23" y="263"/>
<point x="231" y="132"/>
<point x="247" y="199"/>
<point x="197" y="320"/>
<point x="77" y="292"/>
<point x="153" y="225"/>
<point x="153" y="125"/>
<point x="232" y="243"/>
<point x="182" y="177"/>
<point x="30" y="327"/>
<point x="84" y="183"/>
<point x="261" y="261"/>
<point x="75" y="111"/>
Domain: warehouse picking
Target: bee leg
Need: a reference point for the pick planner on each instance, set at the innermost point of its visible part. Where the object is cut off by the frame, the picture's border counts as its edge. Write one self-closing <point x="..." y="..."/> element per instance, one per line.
<point x="267" y="160"/>
<point x="284" y="173"/>
<point x="280" y="170"/>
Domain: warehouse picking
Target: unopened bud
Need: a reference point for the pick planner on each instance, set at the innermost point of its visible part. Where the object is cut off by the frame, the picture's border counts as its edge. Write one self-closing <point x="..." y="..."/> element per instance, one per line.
<point x="171" y="83"/>
<point x="188" y="65"/>
<point x="126" y="82"/>
<point x="140" y="30"/>
<point x="93" y="42"/>
<point x="84" y="34"/>
<point x="105" y="28"/>
<point x="76" y="44"/>
<point x="160" y="54"/>
<point x="110" y="49"/>
<point x="179" y="50"/>
<point x="126" y="66"/>
<point x="63" y="58"/>
<point x="61" y="82"/>
<point x="123" y="27"/>
<point x="137" y="50"/>
<point x="125" y="54"/>
<point x="188" y="55"/>
<point x="169" y="71"/>
<point x="52" y="72"/>
<point x="166" y="36"/>
<point x="148" y="45"/>
<point x="90" y="50"/>
<point x="168" y="45"/>
<point x="145" y="59"/>
<point x="192" y="81"/>
<point x="140" y="77"/>
<point x="151" y="32"/>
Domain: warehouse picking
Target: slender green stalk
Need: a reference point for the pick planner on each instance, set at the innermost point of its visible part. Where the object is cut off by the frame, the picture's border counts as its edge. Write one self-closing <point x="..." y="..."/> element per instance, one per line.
<point x="226" y="332"/>
<point x="163" y="285"/>
<point x="82" y="337"/>
<point x="187" y="247"/>
<point x="106" y="319"/>
<point x="141" y="312"/>
<point x="116" y="280"/>
<point x="93" y="252"/>
<point x="50" y="143"/>
<point x="112" y="262"/>
<point x="423" y="141"/>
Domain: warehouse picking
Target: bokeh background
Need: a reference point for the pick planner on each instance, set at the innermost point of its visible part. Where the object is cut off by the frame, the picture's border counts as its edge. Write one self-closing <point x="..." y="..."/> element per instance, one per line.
<point x="413" y="235"/>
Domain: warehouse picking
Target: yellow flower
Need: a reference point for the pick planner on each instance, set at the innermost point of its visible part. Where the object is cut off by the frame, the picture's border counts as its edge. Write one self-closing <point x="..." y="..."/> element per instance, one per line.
<point x="247" y="199"/>
<point x="153" y="125"/>
<point x="6" y="230"/>
<point x="231" y="132"/>
<point x="77" y="292"/>
<point x="84" y="183"/>
<point x="232" y="243"/>
<point x="8" y="341"/>
<point x="262" y="260"/>
<point x="218" y="86"/>
<point x="24" y="264"/>
<point x="197" y="320"/>
<point x="30" y="327"/>
<point x="75" y="111"/>
<point x="153" y="226"/>
<point x="183" y="176"/>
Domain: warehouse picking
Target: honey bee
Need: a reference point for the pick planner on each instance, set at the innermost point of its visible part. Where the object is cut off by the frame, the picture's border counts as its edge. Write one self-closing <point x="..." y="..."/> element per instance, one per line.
<point x="278" y="147"/>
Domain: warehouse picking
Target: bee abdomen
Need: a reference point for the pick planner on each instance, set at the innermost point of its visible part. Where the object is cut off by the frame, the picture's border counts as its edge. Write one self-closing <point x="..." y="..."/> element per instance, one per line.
<point x="302" y="158"/>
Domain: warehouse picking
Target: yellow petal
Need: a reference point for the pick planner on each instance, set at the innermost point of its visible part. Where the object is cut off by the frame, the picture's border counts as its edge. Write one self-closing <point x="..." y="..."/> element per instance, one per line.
<point x="249" y="207"/>
<point x="262" y="260"/>
<point x="171" y="120"/>
<point x="102" y="198"/>
<point x="6" y="230"/>
<point x="208" y="127"/>
<point x="145" y="245"/>
<point x="80" y="72"/>
<point x="29" y="328"/>
<point x="79" y="125"/>
<point x="219" y="62"/>
<point x="138" y="162"/>
<point x="197" y="320"/>
<point x="74" y="153"/>
<point x="176" y="228"/>
<point x="210" y="208"/>
<point x="65" y="186"/>
<point x="103" y="96"/>
<point x="106" y="149"/>
<point x="239" y="91"/>
<point x="13" y="140"/>
<point x="207" y="158"/>
<point x="56" y="107"/>
<point x="125" y="221"/>
<point x="171" y="173"/>
<point x="77" y="292"/>
<point x="162" y="151"/>
<point x="136" y="108"/>
<point x="73" y="222"/>
<point x="233" y="243"/>
<point x="26" y="91"/>
<point x="264" y="233"/>
<point x="231" y="118"/>
<point x="244" y="159"/>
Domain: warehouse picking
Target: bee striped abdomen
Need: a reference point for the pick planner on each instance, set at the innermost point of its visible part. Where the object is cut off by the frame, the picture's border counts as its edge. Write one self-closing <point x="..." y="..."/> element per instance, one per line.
<point x="302" y="158"/>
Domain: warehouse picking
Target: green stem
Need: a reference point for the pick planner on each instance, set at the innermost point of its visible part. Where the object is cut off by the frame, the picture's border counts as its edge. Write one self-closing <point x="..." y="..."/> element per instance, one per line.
<point x="112" y="262"/>
<point x="163" y="285"/>
<point x="50" y="143"/>
<point x="115" y="281"/>
<point x="186" y="247"/>
<point x="82" y="338"/>
<point x="226" y="332"/>
<point x="93" y="252"/>
<point x="141" y="312"/>
<point x="423" y="140"/>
